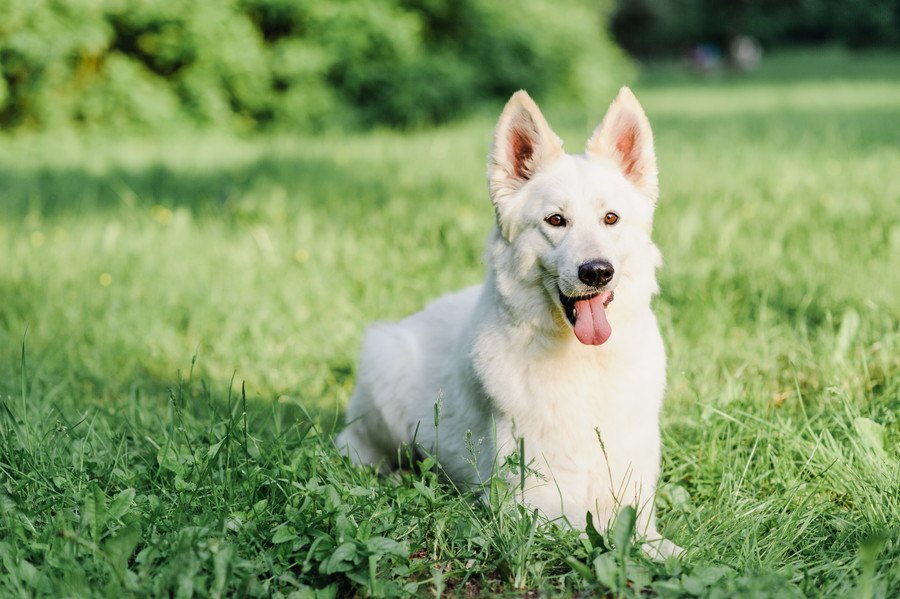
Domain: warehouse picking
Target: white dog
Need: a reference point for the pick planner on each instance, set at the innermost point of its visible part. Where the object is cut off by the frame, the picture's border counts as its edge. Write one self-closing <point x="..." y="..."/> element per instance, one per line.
<point x="558" y="347"/>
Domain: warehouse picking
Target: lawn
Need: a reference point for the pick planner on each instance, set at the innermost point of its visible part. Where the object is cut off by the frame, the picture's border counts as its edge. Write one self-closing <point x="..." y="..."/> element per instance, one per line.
<point x="179" y="319"/>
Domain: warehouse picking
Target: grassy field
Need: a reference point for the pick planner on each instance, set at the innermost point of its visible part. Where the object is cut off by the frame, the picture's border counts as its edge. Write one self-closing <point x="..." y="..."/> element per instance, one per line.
<point x="179" y="320"/>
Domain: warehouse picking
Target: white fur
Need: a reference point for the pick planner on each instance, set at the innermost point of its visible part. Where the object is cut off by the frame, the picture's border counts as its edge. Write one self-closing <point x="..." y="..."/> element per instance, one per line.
<point x="501" y="358"/>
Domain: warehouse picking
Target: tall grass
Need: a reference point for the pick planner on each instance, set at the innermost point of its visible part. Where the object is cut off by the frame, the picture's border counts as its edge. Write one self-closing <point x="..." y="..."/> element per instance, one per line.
<point x="128" y="466"/>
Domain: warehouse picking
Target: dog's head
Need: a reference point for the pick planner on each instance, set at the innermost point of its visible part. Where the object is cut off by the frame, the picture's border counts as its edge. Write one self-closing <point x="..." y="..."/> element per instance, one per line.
<point x="575" y="229"/>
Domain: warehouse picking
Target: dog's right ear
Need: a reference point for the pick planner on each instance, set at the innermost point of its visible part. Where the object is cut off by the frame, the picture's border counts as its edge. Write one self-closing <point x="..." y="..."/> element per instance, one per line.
<point x="523" y="143"/>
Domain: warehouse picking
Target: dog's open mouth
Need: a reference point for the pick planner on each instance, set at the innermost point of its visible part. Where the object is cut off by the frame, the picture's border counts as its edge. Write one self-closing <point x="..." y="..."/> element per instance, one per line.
<point x="587" y="315"/>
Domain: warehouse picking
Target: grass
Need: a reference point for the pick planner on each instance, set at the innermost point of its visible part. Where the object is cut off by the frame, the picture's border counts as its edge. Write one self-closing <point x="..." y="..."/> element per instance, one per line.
<point x="180" y="318"/>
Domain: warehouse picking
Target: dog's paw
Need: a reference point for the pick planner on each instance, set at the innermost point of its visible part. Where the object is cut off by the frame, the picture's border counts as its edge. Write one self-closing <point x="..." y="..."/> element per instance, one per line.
<point x="660" y="549"/>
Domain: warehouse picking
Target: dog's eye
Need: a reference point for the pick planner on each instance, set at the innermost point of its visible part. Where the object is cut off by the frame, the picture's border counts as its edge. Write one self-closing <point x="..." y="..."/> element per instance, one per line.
<point x="556" y="220"/>
<point x="611" y="218"/>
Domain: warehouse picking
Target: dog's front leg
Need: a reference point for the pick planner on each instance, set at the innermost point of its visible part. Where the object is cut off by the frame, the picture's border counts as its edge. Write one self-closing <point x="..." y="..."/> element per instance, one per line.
<point x="655" y="545"/>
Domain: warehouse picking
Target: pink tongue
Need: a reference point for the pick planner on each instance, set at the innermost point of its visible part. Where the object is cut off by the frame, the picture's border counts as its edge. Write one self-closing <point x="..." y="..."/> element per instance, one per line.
<point x="591" y="325"/>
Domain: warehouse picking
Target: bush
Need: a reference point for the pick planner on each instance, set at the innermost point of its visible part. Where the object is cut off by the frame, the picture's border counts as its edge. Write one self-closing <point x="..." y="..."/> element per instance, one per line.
<point x="250" y="63"/>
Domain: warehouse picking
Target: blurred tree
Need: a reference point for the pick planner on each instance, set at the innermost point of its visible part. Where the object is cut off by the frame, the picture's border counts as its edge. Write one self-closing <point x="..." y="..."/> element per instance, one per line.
<point x="667" y="27"/>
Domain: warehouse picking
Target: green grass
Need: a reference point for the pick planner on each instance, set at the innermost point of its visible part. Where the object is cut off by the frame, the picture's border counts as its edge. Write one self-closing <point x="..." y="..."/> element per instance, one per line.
<point x="129" y="467"/>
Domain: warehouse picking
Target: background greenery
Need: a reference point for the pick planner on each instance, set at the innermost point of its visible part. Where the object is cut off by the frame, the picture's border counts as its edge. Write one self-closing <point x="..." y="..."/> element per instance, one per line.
<point x="670" y="27"/>
<point x="126" y="466"/>
<point x="307" y="65"/>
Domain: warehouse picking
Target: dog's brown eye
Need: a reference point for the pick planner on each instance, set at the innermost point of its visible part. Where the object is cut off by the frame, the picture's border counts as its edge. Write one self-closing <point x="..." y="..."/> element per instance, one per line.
<point x="611" y="218"/>
<point x="556" y="220"/>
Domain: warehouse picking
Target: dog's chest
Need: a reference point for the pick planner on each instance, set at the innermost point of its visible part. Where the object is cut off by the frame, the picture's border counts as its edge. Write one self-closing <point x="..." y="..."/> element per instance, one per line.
<point x="568" y="396"/>
<point x="564" y="403"/>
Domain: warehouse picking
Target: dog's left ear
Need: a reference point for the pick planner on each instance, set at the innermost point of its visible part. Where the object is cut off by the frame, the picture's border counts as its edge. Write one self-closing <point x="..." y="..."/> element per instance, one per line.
<point x="624" y="136"/>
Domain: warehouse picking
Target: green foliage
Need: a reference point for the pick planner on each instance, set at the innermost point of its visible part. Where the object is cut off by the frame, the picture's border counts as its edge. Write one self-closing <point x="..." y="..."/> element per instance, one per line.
<point x="665" y="27"/>
<point x="249" y="63"/>
<point x="121" y="257"/>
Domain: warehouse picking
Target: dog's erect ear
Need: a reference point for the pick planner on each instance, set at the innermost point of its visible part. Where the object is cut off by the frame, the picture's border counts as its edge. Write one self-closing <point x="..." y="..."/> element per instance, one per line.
<point x="523" y="142"/>
<point x="624" y="136"/>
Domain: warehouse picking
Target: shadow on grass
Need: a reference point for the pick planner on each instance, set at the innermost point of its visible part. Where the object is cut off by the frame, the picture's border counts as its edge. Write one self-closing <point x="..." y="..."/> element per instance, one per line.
<point x="243" y="193"/>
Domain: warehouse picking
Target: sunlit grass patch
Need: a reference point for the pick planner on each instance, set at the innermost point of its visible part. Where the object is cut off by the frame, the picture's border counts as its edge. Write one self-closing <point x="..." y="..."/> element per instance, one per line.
<point x="125" y="466"/>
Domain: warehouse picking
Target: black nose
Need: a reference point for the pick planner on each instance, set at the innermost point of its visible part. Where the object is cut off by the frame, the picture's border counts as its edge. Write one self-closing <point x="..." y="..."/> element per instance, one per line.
<point x="596" y="273"/>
